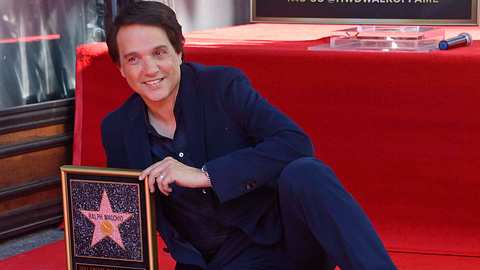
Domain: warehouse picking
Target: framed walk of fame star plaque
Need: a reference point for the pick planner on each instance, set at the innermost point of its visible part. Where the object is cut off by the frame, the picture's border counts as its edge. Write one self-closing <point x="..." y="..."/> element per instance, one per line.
<point x="109" y="220"/>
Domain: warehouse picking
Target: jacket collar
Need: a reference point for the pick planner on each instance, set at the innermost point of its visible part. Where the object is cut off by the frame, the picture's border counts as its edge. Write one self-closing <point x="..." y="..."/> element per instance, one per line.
<point x="136" y="136"/>
<point x="192" y="102"/>
<point x="192" y="106"/>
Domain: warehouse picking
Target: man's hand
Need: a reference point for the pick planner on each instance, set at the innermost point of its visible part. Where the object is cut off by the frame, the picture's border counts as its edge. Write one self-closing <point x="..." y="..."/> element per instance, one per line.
<point x="170" y="170"/>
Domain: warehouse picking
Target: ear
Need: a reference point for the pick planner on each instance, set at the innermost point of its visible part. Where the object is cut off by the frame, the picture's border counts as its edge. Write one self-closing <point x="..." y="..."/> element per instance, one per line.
<point x="180" y="57"/>
<point x="119" y="66"/>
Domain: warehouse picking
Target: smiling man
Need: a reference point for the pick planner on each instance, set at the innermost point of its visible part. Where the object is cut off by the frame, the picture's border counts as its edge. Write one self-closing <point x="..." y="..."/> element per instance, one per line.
<point x="238" y="185"/>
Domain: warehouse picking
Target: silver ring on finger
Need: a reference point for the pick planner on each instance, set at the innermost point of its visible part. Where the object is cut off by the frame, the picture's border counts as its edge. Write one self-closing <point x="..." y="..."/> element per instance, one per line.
<point x="162" y="176"/>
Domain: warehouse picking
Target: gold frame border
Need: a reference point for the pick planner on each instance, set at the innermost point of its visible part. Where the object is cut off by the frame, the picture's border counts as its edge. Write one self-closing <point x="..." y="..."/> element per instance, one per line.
<point x="472" y="21"/>
<point x="101" y="265"/>
<point x="151" y="235"/>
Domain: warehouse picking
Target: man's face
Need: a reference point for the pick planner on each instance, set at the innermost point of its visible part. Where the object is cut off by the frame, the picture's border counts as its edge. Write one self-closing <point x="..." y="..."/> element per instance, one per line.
<point x="149" y="62"/>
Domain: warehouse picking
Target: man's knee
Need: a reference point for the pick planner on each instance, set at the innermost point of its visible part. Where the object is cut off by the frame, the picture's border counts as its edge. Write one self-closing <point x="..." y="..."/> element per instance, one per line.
<point x="305" y="175"/>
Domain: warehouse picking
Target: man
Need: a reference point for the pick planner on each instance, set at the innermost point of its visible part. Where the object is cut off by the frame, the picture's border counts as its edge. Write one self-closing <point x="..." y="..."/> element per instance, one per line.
<point x="239" y="187"/>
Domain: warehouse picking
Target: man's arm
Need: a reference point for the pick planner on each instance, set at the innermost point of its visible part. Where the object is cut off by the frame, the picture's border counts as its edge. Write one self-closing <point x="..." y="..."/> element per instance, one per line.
<point x="278" y="142"/>
<point x="112" y="144"/>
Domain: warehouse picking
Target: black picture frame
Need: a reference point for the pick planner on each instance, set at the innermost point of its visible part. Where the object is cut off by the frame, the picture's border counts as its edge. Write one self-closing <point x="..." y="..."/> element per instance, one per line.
<point x="109" y="219"/>
<point x="390" y="12"/>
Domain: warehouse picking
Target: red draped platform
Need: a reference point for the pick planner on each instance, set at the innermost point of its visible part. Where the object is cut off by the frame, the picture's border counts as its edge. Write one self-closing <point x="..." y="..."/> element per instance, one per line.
<point x="402" y="130"/>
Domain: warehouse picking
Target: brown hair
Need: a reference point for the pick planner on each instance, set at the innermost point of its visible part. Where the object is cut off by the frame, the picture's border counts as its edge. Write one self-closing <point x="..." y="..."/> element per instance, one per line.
<point x="146" y="13"/>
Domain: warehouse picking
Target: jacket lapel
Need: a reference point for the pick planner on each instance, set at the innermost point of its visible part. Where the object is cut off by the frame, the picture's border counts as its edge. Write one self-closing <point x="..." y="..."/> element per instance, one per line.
<point x="136" y="139"/>
<point x="192" y="106"/>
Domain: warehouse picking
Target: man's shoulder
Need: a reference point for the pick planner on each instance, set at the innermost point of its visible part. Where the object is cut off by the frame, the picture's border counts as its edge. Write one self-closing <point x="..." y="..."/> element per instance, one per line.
<point x="214" y="73"/>
<point x="125" y="111"/>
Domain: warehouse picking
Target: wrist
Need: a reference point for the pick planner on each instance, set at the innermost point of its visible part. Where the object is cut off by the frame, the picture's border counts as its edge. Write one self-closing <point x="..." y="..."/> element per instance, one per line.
<point x="206" y="175"/>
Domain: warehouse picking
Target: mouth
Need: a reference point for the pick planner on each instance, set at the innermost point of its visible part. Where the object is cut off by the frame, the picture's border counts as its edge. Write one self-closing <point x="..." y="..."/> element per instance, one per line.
<point x="154" y="83"/>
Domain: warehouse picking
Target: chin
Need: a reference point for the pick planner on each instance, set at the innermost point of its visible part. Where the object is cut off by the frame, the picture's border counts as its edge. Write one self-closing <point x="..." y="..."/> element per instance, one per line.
<point x="153" y="95"/>
<point x="158" y="97"/>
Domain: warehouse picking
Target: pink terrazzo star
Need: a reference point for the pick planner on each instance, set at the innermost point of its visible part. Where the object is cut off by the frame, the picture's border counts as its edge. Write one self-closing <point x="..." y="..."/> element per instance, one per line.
<point x="106" y="222"/>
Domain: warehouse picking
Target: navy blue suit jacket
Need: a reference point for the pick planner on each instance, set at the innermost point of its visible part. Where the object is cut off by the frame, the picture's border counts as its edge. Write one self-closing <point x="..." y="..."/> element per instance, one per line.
<point x="243" y="140"/>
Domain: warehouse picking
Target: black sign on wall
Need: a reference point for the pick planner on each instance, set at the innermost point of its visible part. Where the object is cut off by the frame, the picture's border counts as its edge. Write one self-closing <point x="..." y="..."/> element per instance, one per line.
<point x="408" y="12"/>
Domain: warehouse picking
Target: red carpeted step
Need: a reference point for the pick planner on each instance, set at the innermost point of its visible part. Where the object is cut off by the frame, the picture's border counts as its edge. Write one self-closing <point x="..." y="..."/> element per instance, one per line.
<point x="53" y="257"/>
<point x="414" y="261"/>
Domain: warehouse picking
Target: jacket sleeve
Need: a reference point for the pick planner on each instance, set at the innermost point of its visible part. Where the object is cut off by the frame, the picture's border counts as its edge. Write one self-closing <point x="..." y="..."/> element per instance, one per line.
<point x="112" y="143"/>
<point x="278" y="141"/>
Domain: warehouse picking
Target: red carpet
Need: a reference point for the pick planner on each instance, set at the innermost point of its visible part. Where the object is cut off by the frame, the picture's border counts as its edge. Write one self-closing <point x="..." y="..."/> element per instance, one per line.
<point x="52" y="257"/>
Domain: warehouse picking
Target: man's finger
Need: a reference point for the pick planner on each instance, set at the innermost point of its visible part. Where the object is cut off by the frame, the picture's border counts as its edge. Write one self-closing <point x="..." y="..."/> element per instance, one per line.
<point x="166" y="183"/>
<point x="163" y="185"/>
<point x="161" y="189"/>
<point x="151" y="184"/>
<point x="148" y="170"/>
<point x="157" y="166"/>
<point x="161" y="169"/>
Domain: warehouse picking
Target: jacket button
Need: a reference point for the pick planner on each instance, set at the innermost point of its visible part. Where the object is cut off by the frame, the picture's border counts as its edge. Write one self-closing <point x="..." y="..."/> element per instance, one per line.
<point x="250" y="185"/>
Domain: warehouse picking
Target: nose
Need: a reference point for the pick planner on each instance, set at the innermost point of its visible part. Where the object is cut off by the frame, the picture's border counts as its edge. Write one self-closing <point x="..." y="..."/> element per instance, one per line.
<point x="150" y="67"/>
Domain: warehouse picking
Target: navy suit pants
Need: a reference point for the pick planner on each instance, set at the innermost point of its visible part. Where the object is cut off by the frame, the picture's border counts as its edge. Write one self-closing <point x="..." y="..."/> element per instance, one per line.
<point x="323" y="224"/>
<point x="254" y="257"/>
<point x="323" y="227"/>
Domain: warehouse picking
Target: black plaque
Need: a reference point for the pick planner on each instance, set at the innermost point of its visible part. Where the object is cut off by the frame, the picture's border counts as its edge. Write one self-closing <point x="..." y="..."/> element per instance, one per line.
<point x="109" y="220"/>
<point x="405" y="12"/>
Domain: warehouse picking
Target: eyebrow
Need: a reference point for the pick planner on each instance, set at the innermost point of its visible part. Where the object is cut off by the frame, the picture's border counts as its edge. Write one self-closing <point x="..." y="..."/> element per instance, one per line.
<point x="136" y="53"/>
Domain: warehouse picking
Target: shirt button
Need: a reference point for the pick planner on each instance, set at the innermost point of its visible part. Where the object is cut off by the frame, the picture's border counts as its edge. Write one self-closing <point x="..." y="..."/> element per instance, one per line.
<point x="204" y="191"/>
<point x="181" y="154"/>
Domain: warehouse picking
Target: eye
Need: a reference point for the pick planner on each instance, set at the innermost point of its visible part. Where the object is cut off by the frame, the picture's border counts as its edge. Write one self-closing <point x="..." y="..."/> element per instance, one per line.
<point x="132" y="60"/>
<point x="159" y="52"/>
